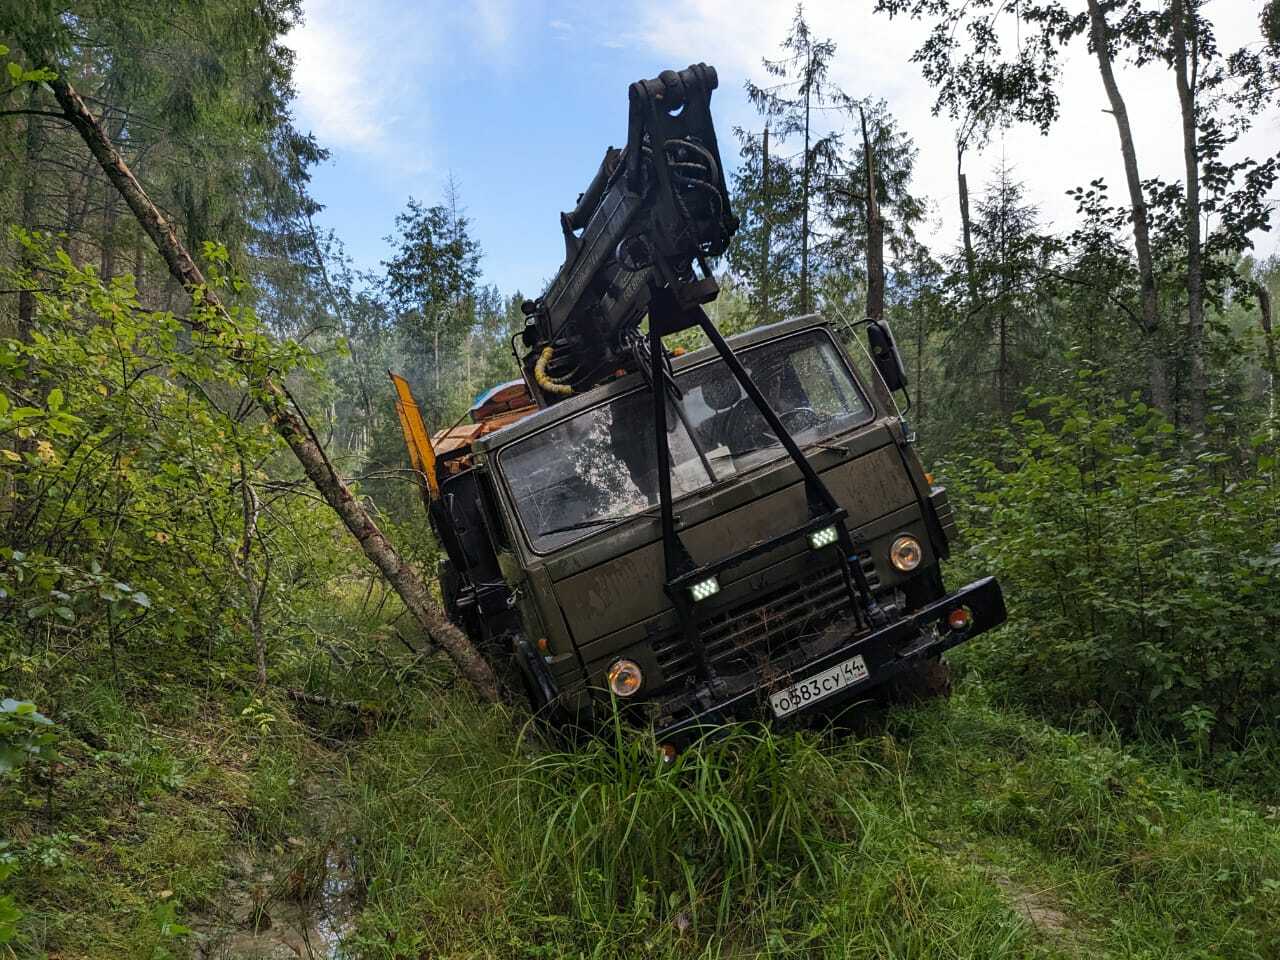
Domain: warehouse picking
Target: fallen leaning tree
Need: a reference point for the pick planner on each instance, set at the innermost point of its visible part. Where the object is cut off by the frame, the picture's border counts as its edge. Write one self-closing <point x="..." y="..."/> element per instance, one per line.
<point x="276" y="403"/>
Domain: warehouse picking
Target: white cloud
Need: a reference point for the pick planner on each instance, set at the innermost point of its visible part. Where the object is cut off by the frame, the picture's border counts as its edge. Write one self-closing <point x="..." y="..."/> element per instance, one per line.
<point x="362" y="70"/>
<point x="359" y="73"/>
<point x="333" y="74"/>
<point x="493" y="22"/>
<point x="873" y="58"/>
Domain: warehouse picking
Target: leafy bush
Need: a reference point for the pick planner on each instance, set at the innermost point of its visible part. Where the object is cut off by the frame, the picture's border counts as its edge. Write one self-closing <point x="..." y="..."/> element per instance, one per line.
<point x="1142" y="574"/>
<point x="129" y="458"/>
<point x="25" y="735"/>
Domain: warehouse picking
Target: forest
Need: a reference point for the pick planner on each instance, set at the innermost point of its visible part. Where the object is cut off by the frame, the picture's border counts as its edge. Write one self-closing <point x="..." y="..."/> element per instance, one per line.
<point x="235" y="720"/>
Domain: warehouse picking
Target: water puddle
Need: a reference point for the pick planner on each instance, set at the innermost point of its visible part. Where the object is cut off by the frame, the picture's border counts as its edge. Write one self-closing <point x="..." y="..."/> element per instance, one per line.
<point x="301" y="905"/>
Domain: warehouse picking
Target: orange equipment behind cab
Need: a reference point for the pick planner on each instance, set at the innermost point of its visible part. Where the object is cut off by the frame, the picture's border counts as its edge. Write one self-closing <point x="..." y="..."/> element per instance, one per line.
<point x="449" y="451"/>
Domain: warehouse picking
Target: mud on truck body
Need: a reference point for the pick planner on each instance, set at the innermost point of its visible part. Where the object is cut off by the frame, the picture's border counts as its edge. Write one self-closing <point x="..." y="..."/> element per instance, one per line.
<point x="740" y="531"/>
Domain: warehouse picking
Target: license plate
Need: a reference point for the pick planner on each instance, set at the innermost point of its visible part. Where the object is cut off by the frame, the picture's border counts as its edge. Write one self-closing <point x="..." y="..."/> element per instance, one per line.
<point x="812" y="689"/>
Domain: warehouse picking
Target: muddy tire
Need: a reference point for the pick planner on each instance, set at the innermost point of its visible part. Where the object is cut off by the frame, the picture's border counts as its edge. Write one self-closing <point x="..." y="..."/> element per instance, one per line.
<point x="514" y="689"/>
<point x="928" y="680"/>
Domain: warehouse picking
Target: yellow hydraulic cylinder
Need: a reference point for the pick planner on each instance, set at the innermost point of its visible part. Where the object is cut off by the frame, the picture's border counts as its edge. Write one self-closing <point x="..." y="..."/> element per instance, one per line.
<point x="421" y="454"/>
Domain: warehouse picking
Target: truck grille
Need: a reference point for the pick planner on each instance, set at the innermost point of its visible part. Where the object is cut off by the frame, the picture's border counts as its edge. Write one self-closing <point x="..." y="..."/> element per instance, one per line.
<point x="764" y="628"/>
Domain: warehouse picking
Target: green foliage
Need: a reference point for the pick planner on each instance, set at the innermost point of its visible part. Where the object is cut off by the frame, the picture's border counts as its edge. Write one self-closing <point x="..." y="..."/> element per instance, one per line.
<point x="799" y="83"/>
<point x="127" y="451"/>
<point x="274" y="793"/>
<point x="786" y="845"/>
<point x="9" y="912"/>
<point x="1142" y="573"/>
<point x="733" y="813"/>
<point x="1001" y="316"/>
<point x="1142" y="863"/>
<point x="431" y="280"/>
<point x="168" y="931"/>
<point x="218" y="149"/>
<point x="25" y="735"/>
<point x="936" y="836"/>
<point x="1141" y="563"/>
<point x="894" y="155"/>
<point x="765" y="252"/>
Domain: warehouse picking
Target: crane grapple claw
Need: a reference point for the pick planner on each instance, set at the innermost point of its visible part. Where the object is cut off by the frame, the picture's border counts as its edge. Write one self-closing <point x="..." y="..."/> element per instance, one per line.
<point x="652" y="216"/>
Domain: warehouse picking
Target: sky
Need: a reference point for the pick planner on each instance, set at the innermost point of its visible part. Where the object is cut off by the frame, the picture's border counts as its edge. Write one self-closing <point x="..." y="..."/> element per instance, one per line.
<point x="516" y="101"/>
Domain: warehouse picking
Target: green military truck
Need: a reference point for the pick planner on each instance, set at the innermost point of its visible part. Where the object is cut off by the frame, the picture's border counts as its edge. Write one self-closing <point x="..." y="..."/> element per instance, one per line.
<point x="740" y="531"/>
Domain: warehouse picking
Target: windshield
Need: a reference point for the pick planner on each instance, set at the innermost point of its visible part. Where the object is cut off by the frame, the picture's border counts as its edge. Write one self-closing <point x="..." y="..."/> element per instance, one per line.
<point x="600" y="466"/>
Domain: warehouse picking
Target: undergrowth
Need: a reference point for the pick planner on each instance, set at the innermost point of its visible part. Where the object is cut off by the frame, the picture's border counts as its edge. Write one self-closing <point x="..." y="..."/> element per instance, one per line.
<point x="906" y="843"/>
<point x="957" y="829"/>
<point x="1141" y="573"/>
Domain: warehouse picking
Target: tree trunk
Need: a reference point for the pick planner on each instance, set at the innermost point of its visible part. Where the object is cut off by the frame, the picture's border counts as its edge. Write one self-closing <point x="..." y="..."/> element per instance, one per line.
<point x="23" y="491"/>
<point x="254" y="590"/>
<point x="79" y="193"/>
<point x="470" y="393"/>
<point x="273" y="399"/>
<point x="875" y="231"/>
<point x="1006" y="289"/>
<point x="1269" y="342"/>
<point x="1002" y="371"/>
<point x="108" y="263"/>
<point x="139" y="263"/>
<point x="919" y="404"/>
<point x="966" y="226"/>
<point x="1190" y="155"/>
<point x="766" y="222"/>
<point x="804" y="224"/>
<point x="34" y="145"/>
<point x="1141" y="233"/>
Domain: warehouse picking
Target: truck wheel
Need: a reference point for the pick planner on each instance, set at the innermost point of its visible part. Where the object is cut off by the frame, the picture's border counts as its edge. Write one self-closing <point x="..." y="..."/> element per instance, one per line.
<point x="534" y="684"/>
<point x="930" y="679"/>
<point x="513" y="687"/>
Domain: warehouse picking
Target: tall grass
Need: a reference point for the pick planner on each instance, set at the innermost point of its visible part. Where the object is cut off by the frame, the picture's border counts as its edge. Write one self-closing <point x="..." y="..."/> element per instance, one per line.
<point x="709" y="831"/>
<point x="945" y="833"/>
<point x="950" y="830"/>
<point x="750" y="843"/>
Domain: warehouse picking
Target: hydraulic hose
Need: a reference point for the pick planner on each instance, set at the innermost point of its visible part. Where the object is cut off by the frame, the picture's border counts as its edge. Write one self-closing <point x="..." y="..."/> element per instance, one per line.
<point x="545" y="380"/>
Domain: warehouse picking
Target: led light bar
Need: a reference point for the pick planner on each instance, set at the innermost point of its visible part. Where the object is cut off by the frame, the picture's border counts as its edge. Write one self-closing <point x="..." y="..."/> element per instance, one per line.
<point x="823" y="538"/>
<point x="704" y="588"/>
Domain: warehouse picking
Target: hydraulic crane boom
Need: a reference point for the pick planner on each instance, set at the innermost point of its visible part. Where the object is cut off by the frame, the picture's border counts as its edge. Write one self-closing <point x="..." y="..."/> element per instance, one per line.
<point x="655" y="210"/>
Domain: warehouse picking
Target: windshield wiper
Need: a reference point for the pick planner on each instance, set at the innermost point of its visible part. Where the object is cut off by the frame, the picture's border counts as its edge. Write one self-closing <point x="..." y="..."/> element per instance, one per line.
<point x="598" y="522"/>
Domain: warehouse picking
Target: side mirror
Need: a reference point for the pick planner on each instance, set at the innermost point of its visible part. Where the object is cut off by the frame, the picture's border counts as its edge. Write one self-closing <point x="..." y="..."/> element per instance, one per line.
<point x="884" y="353"/>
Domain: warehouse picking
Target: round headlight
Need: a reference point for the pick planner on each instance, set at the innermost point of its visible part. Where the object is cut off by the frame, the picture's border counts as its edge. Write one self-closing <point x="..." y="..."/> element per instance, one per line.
<point x="905" y="554"/>
<point x="625" y="678"/>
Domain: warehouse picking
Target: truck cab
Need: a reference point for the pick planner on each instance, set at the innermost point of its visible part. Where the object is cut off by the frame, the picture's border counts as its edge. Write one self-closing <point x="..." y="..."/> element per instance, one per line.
<point x="556" y="550"/>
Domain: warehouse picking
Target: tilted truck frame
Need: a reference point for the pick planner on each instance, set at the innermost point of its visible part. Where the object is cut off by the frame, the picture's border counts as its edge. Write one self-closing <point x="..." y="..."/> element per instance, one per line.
<point x="739" y="531"/>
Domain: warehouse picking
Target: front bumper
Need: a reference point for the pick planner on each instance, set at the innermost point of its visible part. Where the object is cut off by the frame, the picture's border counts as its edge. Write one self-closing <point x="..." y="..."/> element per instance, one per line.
<point x="887" y="652"/>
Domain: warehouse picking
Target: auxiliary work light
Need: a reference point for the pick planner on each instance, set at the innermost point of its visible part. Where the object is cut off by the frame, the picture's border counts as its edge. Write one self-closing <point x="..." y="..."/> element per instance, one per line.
<point x="823" y="538"/>
<point x="704" y="588"/>
<point x="905" y="554"/>
<point x="625" y="678"/>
